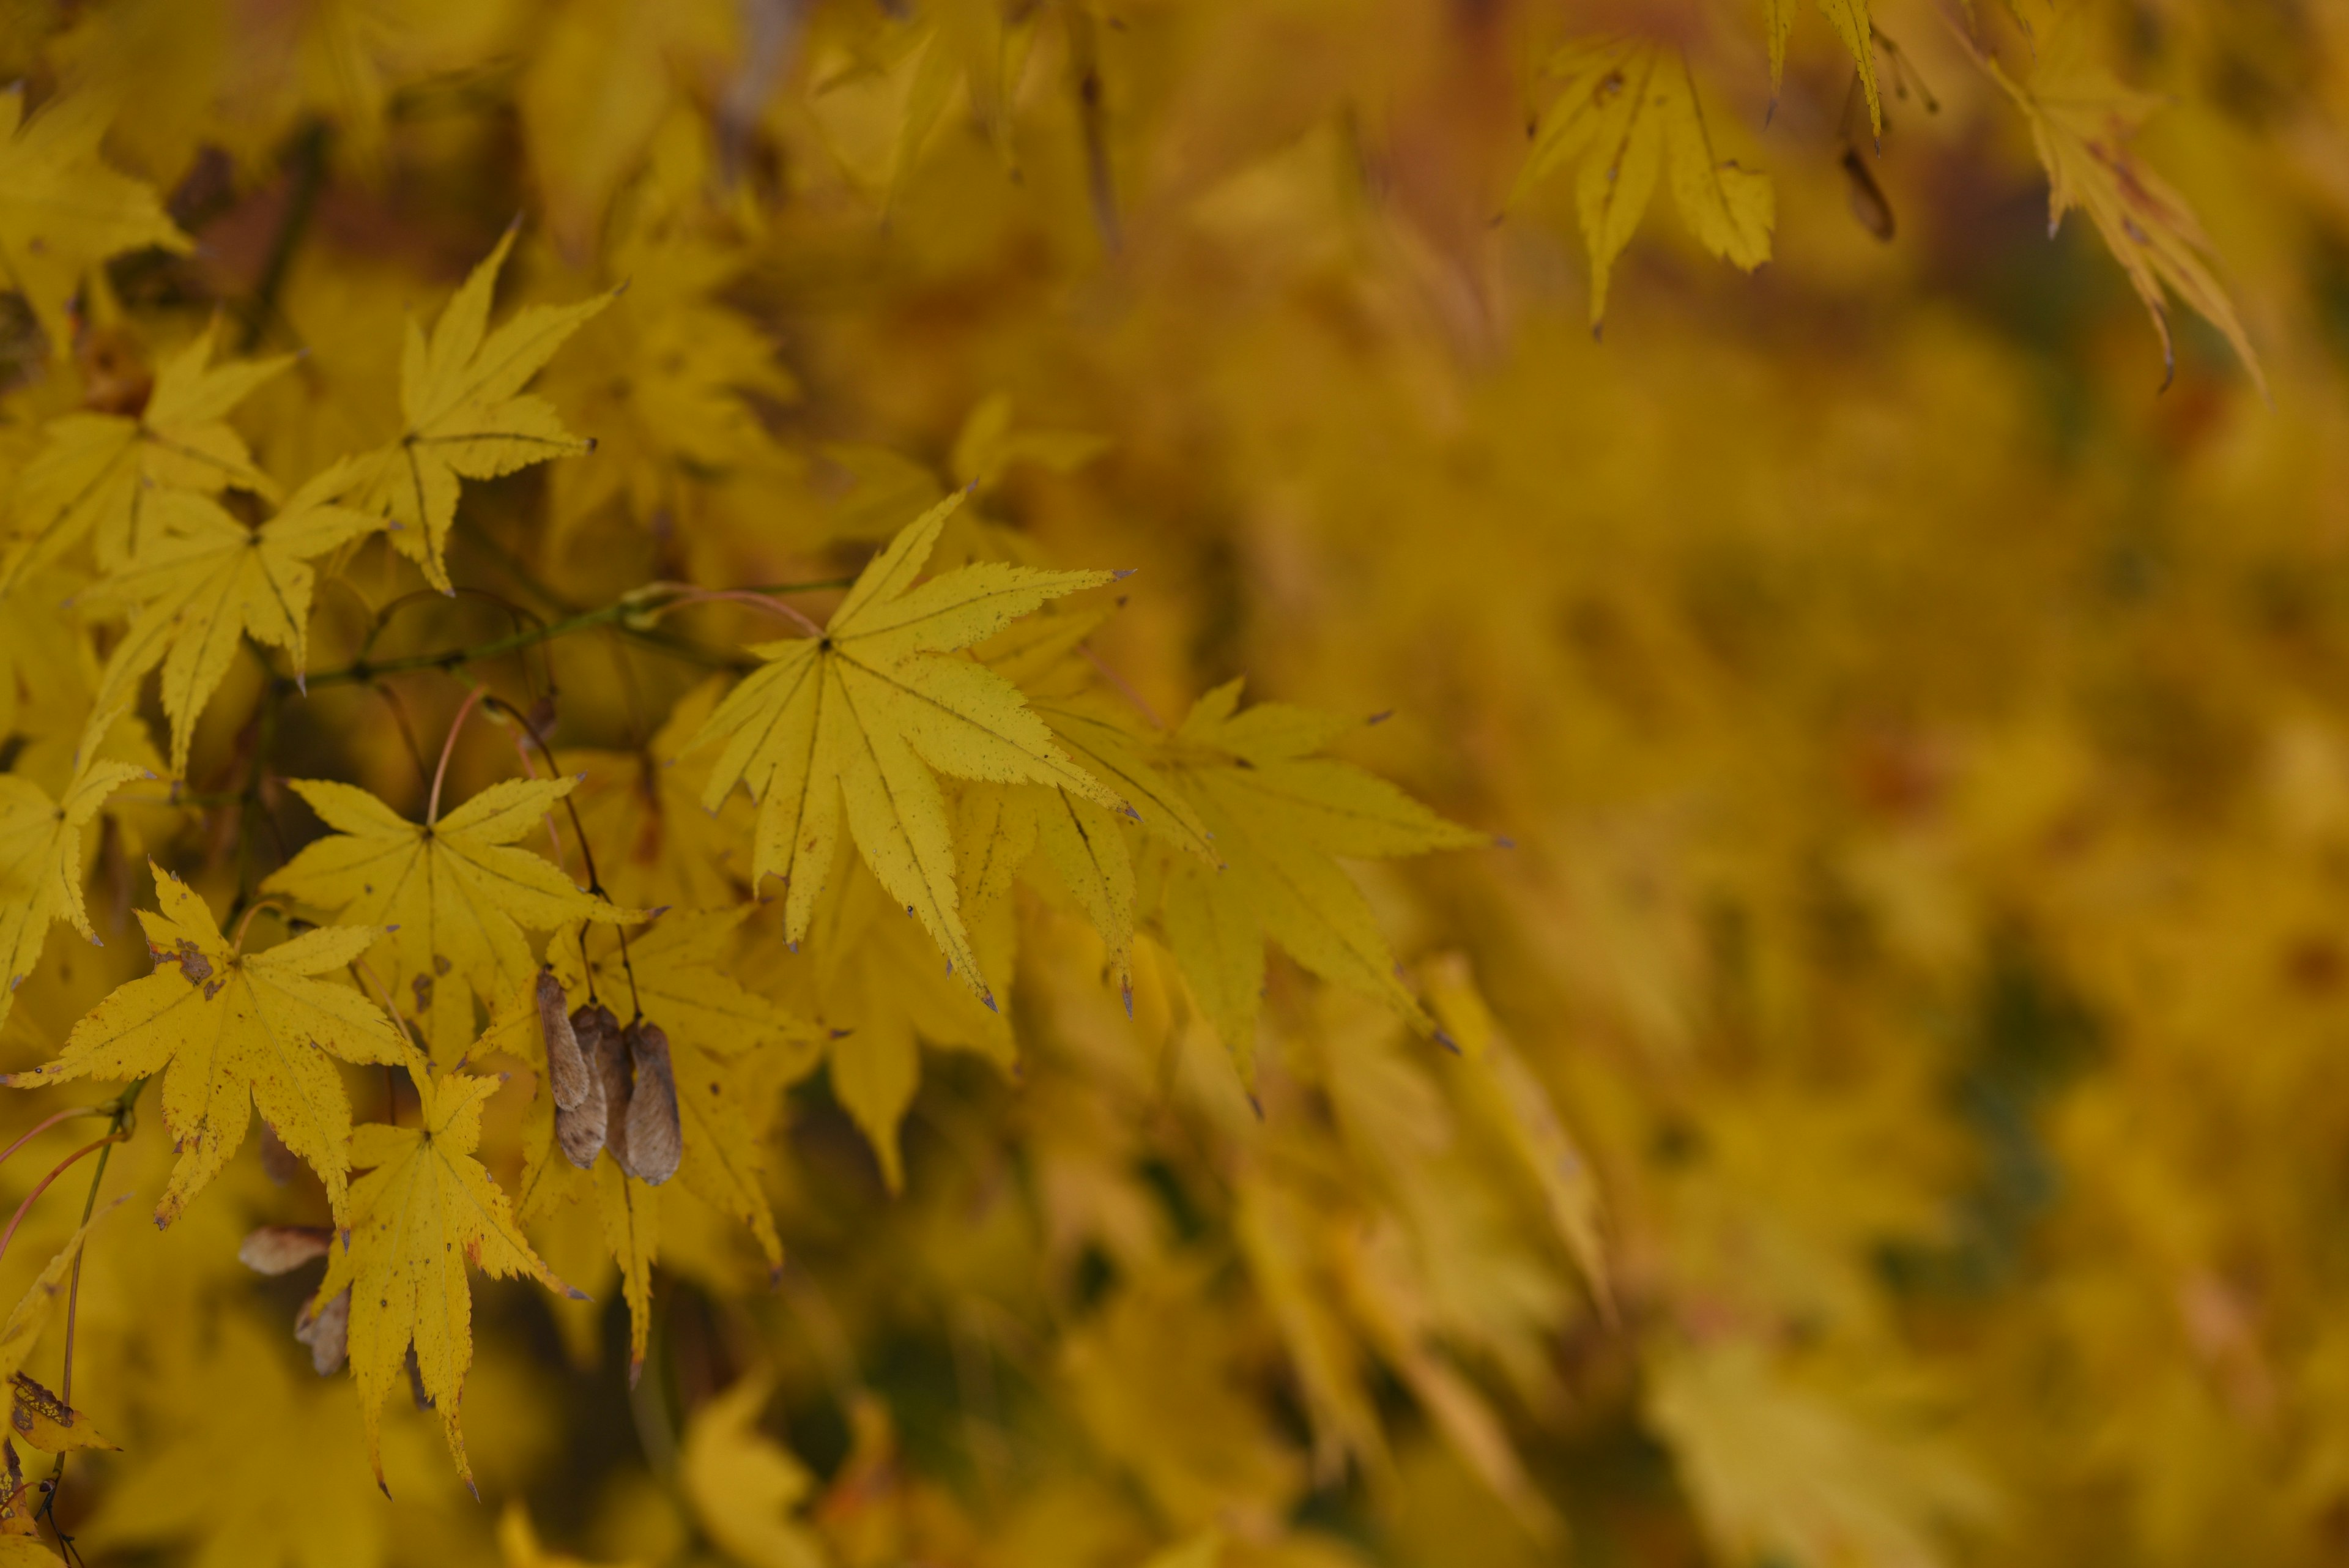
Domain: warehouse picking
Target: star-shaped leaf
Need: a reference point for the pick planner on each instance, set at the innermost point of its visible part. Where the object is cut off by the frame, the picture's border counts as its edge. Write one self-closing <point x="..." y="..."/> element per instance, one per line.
<point x="454" y="894"/>
<point x="98" y="476"/>
<point x="40" y="853"/>
<point x="230" y="1031"/>
<point x="858" y="718"/>
<point x="204" y="581"/>
<point x="1085" y="847"/>
<point x="1852" y="24"/>
<point x="425" y="1209"/>
<point x="1278" y="815"/>
<point x="2081" y="122"/>
<point x="62" y="210"/>
<point x="467" y="416"/>
<point x="1626" y="113"/>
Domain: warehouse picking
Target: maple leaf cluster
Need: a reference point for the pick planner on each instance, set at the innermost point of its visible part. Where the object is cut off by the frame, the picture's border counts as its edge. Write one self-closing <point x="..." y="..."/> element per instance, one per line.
<point x="818" y="784"/>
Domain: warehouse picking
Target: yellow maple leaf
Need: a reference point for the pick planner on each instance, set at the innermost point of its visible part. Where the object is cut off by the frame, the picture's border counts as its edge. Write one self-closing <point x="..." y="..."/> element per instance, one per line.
<point x="1085" y="847"/>
<point x="453" y="895"/>
<point x="247" y="1460"/>
<point x="858" y="717"/>
<point x="21" y="1505"/>
<point x="1779" y="1470"/>
<point x="31" y="1313"/>
<point x="644" y="813"/>
<point x="710" y="1051"/>
<point x="1626" y="113"/>
<point x="732" y="1050"/>
<point x="518" y="1543"/>
<point x="99" y="476"/>
<point x="731" y="1053"/>
<point x="1278" y="816"/>
<point x="1502" y="1092"/>
<point x="62" y="210"/>
<point x="38" y="1417"/>
<point x="465" y="412"/>
<point x="40" y="853"/>
<point x="1158" y="1377"/>
<point x="2081" y="121"/>
<point x="661" y="376"/>
<point x="604" y="75"/>
<point x="425" y="1209"/>
<point x="204" y="582"/>
<point x="230" y="1031"/>
<point x="988" y="444"/>
<point x="745" y="1488"/>
<point x="874" y="988"/>
<point x="1852" y="24"/>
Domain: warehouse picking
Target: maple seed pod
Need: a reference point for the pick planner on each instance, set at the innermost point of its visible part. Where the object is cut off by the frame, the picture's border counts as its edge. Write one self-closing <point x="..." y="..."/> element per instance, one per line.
<point x="566" y="1070"/>
<point x="654" y="1142"/>
<point x="582" y="1129"/>
<point x="609" y="1062"/>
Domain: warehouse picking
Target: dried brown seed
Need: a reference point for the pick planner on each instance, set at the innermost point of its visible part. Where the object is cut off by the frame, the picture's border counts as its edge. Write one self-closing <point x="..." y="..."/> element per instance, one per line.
<point x="281" y="1249"/>
<point x="656" y="1142"/>
<point x="582" y="1129"/>
<point x="566" y="1071"/>
<point x="326" y="1330"/>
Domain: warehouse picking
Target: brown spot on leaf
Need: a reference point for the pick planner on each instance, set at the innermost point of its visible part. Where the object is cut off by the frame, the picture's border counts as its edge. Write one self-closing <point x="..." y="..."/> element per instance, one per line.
<point x="191" y="958"/>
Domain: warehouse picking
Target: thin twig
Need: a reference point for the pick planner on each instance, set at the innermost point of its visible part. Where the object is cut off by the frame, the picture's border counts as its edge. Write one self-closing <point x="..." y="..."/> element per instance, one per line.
<point x="43" y="1185"/>
<point x="587" y="855"/>
<point x="236" y="942"/>
<point x="119" y="1113"/>
<point x="746" y="597"/>
<point x="42" y="1126"/>
<point x="448" y="746"/>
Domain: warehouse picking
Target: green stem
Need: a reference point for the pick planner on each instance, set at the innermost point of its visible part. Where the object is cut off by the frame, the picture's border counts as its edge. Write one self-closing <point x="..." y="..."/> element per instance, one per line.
<point x="614" y="615"/>
<point x="450" y="659"/>
<point x="670" y="643"/>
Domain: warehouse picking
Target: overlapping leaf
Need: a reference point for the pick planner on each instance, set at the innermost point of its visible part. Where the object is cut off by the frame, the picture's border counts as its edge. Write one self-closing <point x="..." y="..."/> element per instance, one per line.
<point x="424" y="1211"/>
<point x="230" y="1032"/>
<point x="1626" y="113"/>
<point x="1852" y="24"/>
<point x="62" y="209"/>
<point x="2081" y="121"/>
<point x="854" y="720"/>
<point x="99" y="476"/>
<point x="745" y="1488"/>
<point x="1085" y="847"/>
<point x="642" y="810"/>
<point x="1278" y="815"/>
<point x="204" y="582"/>
<point x="732" y="1052"/>
<point x="467" y="416"/>
<point x="31" y="1313"/>
<point x="40" y="853"/>
<point x="453" y="896"/>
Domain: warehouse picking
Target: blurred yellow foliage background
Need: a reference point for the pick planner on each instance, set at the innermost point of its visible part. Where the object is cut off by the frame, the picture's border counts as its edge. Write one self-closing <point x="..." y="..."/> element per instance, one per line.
<point x="1870" y="1103"/>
